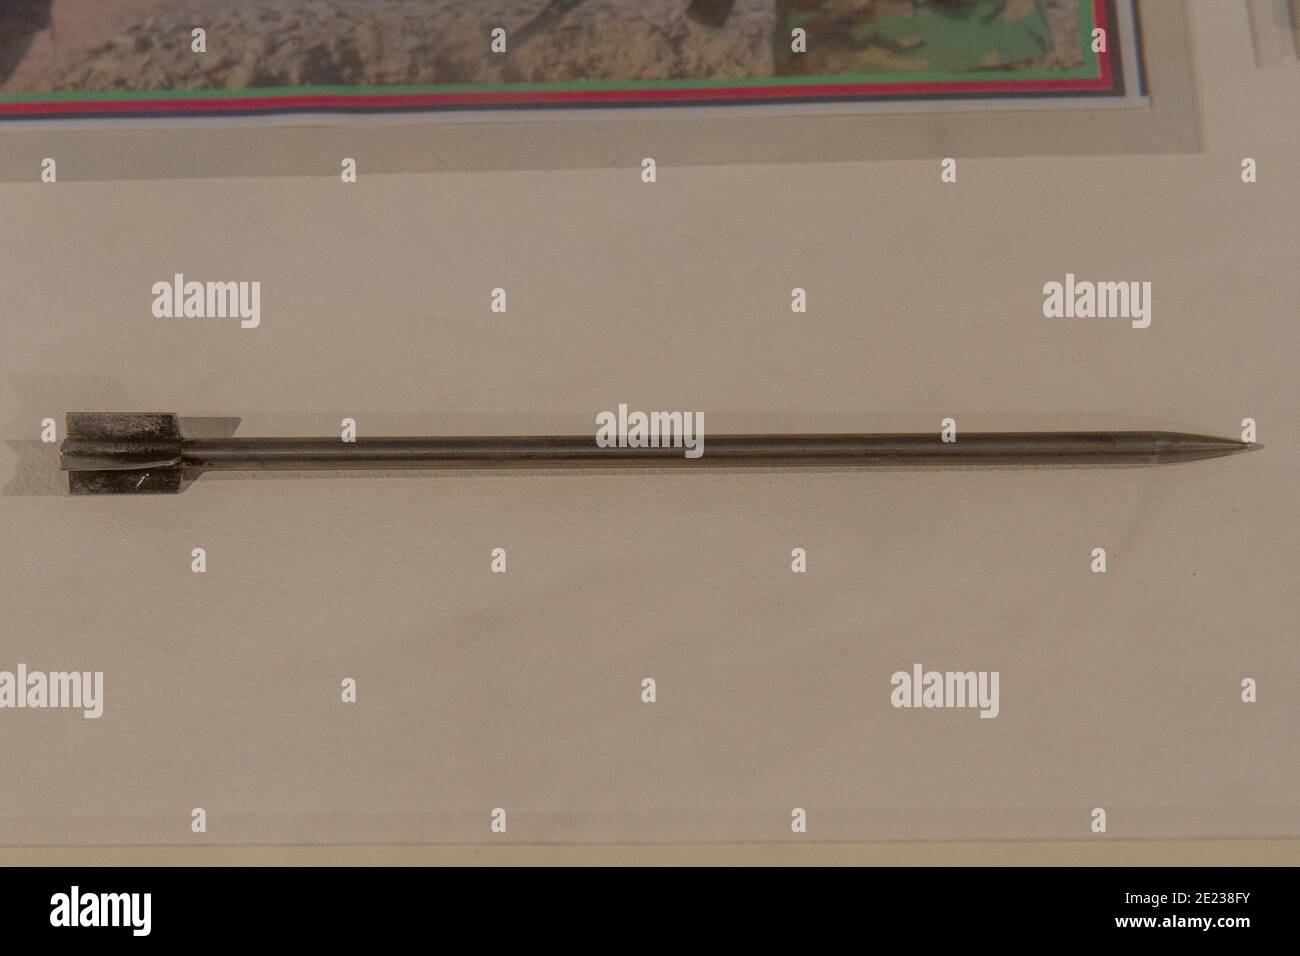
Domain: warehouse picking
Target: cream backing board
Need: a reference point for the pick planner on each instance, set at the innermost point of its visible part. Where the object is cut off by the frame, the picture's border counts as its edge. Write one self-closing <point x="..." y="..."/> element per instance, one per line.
<point x="521" y="690"/>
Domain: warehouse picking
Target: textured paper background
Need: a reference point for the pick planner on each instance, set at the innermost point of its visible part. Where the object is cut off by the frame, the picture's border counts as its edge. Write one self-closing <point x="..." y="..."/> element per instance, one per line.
<point x="521" y="691"/>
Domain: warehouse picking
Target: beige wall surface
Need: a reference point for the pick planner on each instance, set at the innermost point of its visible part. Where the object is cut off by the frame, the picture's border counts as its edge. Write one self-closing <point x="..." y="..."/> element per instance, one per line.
<point x="477" y="690"/>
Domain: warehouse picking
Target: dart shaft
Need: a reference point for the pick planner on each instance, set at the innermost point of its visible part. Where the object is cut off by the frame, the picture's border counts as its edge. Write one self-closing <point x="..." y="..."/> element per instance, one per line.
<point x="148" y="453"/>
<point x="866" y="449"/>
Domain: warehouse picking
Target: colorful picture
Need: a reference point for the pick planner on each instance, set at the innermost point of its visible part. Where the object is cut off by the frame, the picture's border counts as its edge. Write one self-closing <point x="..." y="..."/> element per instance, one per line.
<point x="145" y="57"/>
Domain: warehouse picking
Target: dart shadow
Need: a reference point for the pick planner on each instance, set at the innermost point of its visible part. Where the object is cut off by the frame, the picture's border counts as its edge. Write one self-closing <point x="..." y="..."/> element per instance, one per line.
<point x="200" y="426"/>
<point x="36" y="470"/>
<point x="213" y="426"/>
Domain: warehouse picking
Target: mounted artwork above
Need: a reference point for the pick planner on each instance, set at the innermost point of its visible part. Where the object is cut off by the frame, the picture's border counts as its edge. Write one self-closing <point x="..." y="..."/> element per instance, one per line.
<point x="115" y="58"/>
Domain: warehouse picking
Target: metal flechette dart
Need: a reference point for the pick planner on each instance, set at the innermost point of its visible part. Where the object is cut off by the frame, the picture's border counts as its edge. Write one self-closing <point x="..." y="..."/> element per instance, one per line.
<point x="147" y="453"/>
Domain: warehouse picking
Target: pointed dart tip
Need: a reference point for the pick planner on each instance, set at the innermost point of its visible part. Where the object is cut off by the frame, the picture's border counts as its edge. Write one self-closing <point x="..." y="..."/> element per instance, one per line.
<point x="1237" y="447"/>
<point x="1186" y="447"/>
